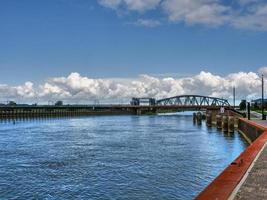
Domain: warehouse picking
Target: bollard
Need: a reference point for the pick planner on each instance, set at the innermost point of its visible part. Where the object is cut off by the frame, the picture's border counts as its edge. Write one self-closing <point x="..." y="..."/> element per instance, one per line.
<point x="225" y="123"/>
<point x="231" y="124"/>
<point x="208" y="119"/>
<point x="199" y="118"/>
<point x="219" y="121"/>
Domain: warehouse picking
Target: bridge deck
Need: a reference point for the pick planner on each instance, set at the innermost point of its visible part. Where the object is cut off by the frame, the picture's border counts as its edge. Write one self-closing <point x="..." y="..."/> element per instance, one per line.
<point x="114" y="106"/>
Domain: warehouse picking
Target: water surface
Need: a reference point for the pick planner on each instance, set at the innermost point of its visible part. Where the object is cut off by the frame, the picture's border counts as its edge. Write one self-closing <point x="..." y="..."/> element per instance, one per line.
<point x="112" y="157"/>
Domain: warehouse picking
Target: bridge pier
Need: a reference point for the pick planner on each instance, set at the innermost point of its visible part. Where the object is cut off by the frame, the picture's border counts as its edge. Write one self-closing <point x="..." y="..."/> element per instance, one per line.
<point x="138" y="112"/>
<point x="231" y="124"/>
<point x="225" y="123"/>
<point x="145" y="111"/>
<point x="194" y="118"/>
<point x="219" y="121"/>
<point x="209" y="119"/>
<point x="199" y="118"/>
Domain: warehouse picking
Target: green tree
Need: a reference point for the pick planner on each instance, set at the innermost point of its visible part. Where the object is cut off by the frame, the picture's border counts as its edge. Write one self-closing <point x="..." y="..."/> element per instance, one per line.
<point x="256" y="106"/>
<point x="12" y="103"/>
<point x="59" y="103"/>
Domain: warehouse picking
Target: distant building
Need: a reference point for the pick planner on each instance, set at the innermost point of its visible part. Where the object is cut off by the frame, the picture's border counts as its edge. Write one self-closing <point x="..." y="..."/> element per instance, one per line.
<point x="143" y="101"/>
<point x="257" y="103"/>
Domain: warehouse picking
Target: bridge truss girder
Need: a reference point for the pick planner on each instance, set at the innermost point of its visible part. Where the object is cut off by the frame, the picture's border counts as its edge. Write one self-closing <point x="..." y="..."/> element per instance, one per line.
<point x="193" y="100"/>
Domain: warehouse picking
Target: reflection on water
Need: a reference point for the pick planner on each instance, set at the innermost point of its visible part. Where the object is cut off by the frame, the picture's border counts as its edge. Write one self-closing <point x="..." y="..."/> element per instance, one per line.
<point x="111" y="157"/>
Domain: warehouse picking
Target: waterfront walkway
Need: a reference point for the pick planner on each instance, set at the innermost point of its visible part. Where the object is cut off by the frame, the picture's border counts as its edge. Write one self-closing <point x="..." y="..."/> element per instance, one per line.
<point x="255" y="180"/>
<point x="246" y="177"/>
<point x="254" y="183"/>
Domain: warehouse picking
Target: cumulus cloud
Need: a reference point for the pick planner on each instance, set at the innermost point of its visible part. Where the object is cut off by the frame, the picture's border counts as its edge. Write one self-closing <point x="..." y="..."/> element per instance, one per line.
<point x="76" y="88"/>
<point x="241" y="14"/>
<point x="263" y="70"/>
<point x="8" y="92"/>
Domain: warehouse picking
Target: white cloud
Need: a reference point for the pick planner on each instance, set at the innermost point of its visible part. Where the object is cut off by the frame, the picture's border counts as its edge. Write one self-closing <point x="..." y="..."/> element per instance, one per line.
<point x="241" y="14"/>
<point x="110" y="3"/>
<point x="207" y="12"/>
<point x="134" y="5"/>
<point x="254" y="19"/>
<point x="151" y="23"/>
<point x="8" y="92"/>
<point x="26" y="90"/>
<point x="244" y="2"/>
<point x="79" y="89"/>
<point x="263" y="70"/>
<point x="141" y="5"/>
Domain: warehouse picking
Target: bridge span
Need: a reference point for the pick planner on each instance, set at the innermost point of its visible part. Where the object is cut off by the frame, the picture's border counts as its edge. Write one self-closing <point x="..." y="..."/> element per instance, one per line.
<point x="137" y="106"/>
<point x="193" y="100"/>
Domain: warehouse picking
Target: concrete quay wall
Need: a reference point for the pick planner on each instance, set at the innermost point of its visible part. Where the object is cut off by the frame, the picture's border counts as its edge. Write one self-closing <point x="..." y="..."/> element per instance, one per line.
<point x="224" y="185"/>
<point x="250" y="130"/>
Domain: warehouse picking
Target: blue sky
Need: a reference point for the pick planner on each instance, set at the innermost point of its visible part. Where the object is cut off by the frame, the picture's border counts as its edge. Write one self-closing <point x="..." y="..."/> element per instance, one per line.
<point x="105" y="39"/>
<point x="41" y="39"/>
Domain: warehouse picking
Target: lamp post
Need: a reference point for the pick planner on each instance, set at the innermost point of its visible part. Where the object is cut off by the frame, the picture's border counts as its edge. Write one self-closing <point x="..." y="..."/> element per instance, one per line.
<point x="262" y="98"/>
<point x="234" y="96"/>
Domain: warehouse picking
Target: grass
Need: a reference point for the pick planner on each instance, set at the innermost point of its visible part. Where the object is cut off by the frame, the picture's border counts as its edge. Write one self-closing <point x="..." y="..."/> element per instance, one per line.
<point x="258" y="111"/>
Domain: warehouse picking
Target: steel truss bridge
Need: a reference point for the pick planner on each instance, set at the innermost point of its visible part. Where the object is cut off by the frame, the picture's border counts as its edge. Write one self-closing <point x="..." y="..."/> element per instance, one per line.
<point x="193" y="100"/>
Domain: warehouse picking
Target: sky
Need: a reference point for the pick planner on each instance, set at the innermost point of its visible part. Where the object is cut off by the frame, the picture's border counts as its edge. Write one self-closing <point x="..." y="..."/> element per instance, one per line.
<point x="110" y="50"/>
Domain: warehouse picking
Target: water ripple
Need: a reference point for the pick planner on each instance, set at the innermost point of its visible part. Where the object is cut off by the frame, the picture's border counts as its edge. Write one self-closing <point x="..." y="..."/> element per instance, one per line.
<point x="118" y="157"/>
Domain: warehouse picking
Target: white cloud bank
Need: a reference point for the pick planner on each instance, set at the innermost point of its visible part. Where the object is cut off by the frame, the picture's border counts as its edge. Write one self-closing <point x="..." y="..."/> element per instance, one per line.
<point x="79" y="89"/>
<point x="242" y="14"/>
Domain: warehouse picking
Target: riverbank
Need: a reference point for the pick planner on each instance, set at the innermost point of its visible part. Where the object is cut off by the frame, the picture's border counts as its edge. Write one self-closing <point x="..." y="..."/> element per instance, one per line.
<point x="245" y="177"/>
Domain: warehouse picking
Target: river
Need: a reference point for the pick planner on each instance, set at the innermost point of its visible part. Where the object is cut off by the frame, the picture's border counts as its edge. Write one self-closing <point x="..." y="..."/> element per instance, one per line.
<point x="112" y="157"/>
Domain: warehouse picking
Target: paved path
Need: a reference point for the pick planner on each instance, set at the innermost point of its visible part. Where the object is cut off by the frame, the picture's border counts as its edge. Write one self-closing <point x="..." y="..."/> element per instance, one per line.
<point x="255" y="185"/>
<point x="254" y="114"/>
<point x="261" y="122"/>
